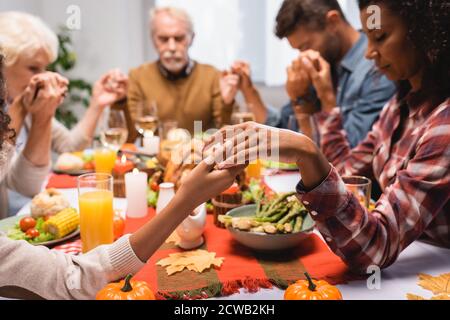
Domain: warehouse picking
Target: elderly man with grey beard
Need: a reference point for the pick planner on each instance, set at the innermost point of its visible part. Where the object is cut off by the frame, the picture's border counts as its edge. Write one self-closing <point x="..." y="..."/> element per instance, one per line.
<point x="182" y="89"/>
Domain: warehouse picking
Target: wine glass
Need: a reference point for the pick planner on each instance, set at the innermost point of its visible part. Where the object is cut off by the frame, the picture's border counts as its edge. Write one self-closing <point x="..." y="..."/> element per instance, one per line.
<point x="147" y="118"/>
<point x="114" y="132"/>
<point x="304" y="123"/>
<point x="242" y="116"/>
<point x="361" y="187"/>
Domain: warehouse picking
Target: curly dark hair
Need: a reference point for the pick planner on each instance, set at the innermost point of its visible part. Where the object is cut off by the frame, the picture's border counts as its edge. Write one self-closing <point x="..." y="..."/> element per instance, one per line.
<point x="5" y="120"/>
<point x="428" y="27"/>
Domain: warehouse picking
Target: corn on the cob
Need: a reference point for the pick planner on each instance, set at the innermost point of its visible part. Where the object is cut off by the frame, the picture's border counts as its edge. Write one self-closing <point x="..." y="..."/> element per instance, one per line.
<point x="63" y="223"/>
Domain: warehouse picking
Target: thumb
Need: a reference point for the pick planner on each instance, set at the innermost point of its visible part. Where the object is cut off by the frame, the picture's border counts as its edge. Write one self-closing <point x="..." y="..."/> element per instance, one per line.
<point x="207" y="164"/>
<point x="227" y="174"/>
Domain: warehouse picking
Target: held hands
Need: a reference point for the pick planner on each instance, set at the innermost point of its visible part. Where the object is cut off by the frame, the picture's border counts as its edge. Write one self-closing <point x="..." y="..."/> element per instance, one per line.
<point x="111" y="87"/>
<point x="43" y="95"/>
<point x="242" y="69"/>
<point x="319" y="71"/>
<point x="229" y="85"/>
<point x="205" y="182"/>
<point x="238" y="146"/>
<point x="249" y="141"/>
<point x="237" y="78"/>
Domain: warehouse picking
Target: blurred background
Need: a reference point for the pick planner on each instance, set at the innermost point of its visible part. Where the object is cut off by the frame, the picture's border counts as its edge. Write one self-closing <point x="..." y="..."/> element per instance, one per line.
<point x="115" y="33"/>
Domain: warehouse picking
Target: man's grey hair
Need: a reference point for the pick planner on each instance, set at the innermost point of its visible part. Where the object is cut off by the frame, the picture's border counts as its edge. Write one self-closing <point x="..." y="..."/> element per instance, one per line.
<point x="173" y="12"/>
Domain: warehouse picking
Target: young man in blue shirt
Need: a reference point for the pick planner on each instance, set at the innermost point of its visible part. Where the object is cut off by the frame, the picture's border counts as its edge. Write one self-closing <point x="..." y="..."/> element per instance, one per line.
<point x="319" y="27"/>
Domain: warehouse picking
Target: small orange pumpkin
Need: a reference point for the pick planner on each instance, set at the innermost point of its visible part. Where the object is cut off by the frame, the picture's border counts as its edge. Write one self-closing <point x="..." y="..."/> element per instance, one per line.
<point x="310" y="289"/>
<point x="126" y="290"/>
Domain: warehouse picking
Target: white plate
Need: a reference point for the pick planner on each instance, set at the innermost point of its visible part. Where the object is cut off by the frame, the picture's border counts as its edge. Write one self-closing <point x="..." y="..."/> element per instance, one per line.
<point x="9" y="223"/>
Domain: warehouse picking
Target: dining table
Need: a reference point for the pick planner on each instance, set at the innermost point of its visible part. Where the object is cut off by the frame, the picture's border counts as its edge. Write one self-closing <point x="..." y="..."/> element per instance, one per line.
<point x="392" y="283"/>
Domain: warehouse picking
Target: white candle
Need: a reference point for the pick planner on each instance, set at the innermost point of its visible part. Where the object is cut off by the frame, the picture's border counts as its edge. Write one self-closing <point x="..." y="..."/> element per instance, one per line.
<point x="151" y="144"/>
<point x="136" y="191"/>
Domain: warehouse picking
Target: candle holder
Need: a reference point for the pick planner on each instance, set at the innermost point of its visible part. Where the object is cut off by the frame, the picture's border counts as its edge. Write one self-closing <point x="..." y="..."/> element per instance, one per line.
<point x="224" y="203"/>
<point x="122" y="167"/>
<point x="119" y="184"/>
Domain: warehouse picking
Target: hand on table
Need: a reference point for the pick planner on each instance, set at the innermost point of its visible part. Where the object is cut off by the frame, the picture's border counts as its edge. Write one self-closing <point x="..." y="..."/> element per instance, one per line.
<point x="110" y="88"/>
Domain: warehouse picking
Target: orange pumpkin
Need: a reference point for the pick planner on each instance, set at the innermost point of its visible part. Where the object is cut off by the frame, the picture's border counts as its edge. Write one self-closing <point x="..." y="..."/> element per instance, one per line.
<point x="310" y="289"/>
<point x="126" y="290"/>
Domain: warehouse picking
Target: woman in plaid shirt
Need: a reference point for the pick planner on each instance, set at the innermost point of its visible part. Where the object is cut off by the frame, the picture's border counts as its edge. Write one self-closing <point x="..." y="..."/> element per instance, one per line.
<point x="407" y="152"/>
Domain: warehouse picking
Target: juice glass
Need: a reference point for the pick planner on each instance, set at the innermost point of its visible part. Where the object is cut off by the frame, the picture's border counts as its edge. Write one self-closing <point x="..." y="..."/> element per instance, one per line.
<point x="254" y="170"/>
<point x="361" y="187"/>
<point x="95" y="197"/>
<point x="172" y="138"/>
<point x="105" y="160"/>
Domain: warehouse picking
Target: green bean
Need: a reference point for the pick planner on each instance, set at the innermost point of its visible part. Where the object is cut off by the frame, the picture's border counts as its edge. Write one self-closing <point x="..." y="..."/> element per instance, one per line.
<point x="298" y="224"/>
<point x="291" y="215"/>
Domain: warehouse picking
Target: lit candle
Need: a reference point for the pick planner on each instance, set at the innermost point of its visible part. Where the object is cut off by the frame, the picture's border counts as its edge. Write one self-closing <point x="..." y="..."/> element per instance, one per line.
<point x="151" y="144"/>
<point x="136" y="191"/>
<point x="123" y="166"/>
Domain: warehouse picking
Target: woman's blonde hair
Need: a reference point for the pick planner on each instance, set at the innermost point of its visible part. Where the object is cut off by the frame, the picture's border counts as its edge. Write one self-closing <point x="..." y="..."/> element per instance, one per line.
<point x="25" y="34"/>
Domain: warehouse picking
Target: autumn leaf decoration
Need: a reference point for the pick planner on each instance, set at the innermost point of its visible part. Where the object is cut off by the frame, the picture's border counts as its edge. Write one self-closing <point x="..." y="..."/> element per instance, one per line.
<point x="439" y="286"/>
<point x="198" y="261"/>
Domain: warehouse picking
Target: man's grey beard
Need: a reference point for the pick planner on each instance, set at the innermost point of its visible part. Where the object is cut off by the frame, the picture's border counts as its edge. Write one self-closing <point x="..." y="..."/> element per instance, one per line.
<point x="176" y="66"/>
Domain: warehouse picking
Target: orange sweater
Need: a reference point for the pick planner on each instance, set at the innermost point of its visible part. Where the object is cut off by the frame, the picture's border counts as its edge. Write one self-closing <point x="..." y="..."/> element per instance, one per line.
<point x="195" y="98"/>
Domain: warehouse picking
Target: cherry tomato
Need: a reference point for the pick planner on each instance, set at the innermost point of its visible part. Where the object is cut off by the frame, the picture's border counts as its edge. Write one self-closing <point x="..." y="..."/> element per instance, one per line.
<point x="232" y="190"/>
<point x="129" y="147"/>
<point x="89" y="166"/>
<point x="154" y="186"/>
<point x="32" y="233"/>
<point x="118" y="226"/>
<point x="27" y="223"/>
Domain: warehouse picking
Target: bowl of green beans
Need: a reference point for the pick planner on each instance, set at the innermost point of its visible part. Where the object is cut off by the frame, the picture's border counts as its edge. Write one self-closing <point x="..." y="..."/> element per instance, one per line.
<point x="279" y="224"/>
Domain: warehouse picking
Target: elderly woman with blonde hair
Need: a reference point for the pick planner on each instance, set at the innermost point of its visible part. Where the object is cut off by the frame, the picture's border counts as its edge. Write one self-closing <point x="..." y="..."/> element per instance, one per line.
<point x="29" y="46"/>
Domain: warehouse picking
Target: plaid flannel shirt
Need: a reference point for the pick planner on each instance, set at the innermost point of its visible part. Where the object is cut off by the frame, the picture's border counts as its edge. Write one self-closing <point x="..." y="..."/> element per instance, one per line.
<point x="414" y="175"/>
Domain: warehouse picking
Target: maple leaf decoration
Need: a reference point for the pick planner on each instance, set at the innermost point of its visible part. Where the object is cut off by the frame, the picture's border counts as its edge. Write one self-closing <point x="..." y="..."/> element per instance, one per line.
<point x="437" y="285"/>
<point x="173" y="238"/>
<point x="198" y="261"/>
<point x="440" y="286"/>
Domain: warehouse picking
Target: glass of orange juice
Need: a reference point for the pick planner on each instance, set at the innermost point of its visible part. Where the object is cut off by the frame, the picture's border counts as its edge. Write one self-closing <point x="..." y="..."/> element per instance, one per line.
<point x="105" y="160"/>
<point x="95" y="197"/>
<point x="254" y="170"/>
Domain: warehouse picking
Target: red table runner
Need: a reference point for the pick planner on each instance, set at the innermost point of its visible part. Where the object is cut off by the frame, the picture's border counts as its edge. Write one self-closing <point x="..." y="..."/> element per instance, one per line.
<point x="61" y="181"/>
<point x="242" y="267"/>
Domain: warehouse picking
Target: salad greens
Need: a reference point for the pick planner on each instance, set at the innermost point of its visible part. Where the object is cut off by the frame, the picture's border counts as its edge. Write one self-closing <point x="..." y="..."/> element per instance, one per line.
<point x="254" y="192"/>
<point x="152" y="198"/>
<point x="16" y="234"/>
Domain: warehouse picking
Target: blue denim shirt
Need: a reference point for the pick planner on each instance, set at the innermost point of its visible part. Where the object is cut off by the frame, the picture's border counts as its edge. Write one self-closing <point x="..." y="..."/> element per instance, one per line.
<point x="361" y="94"/>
